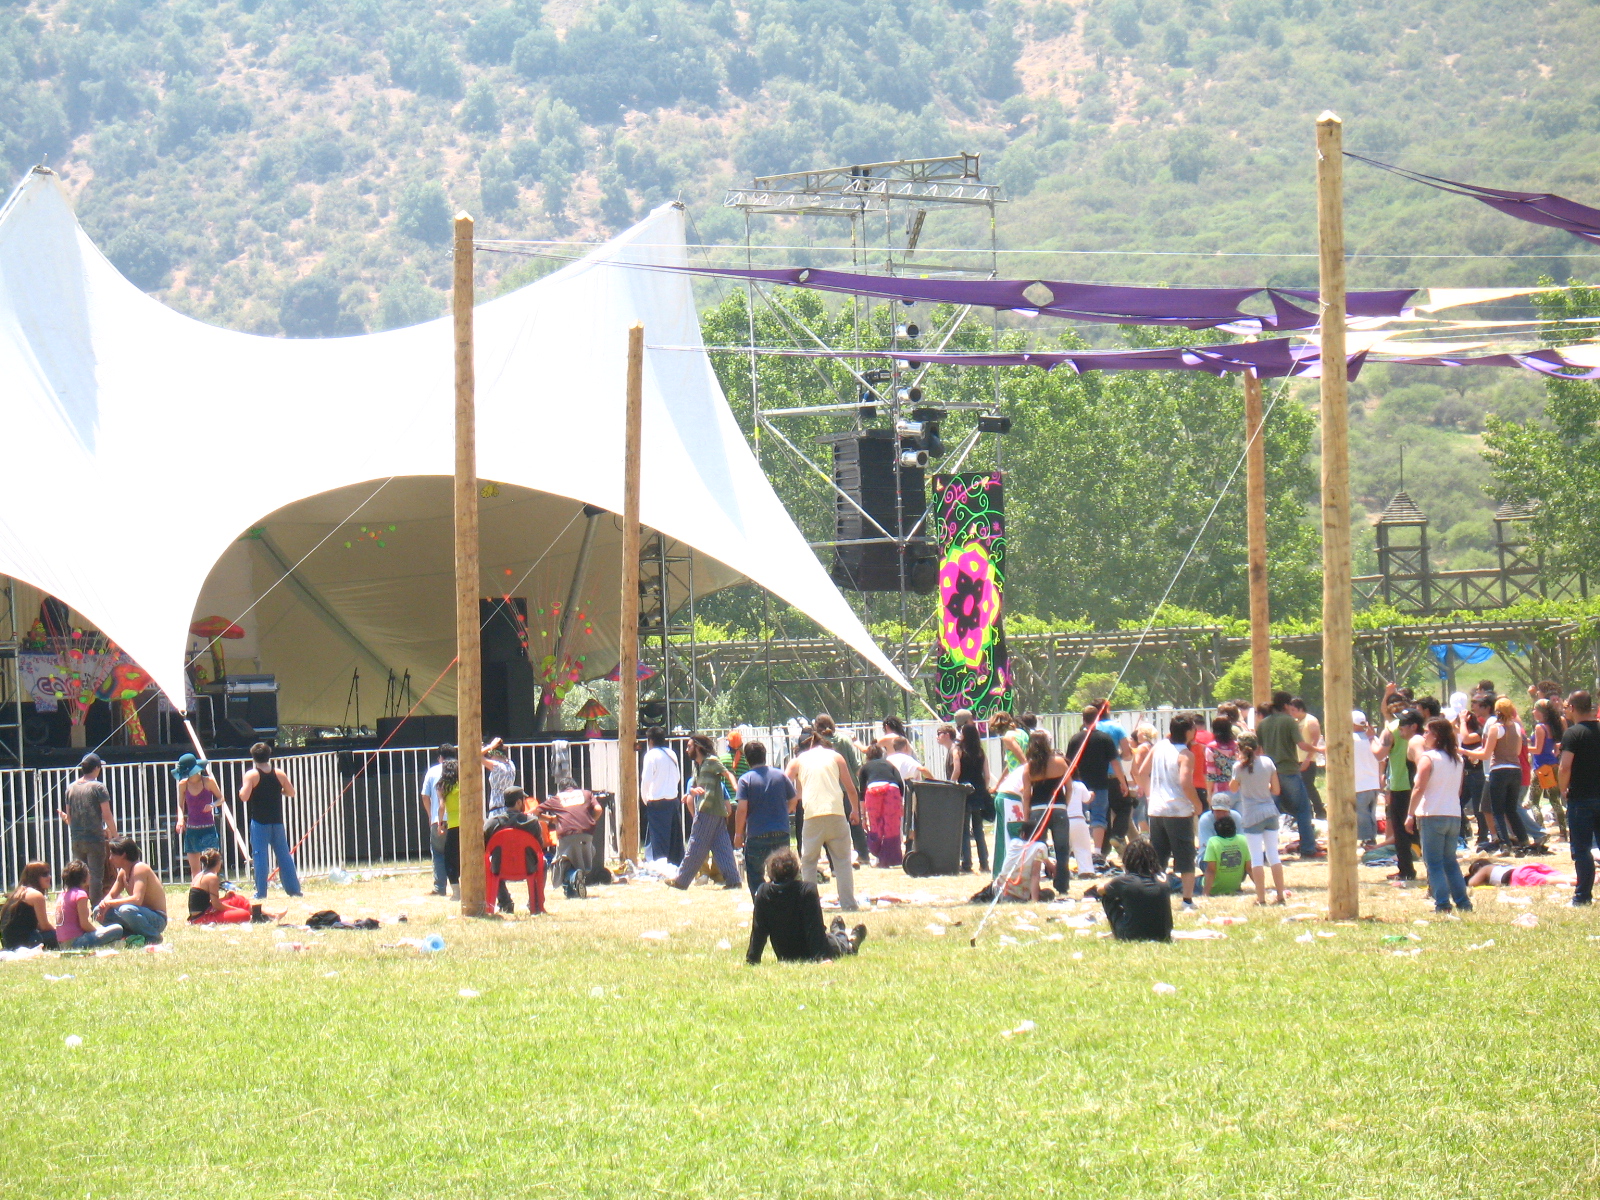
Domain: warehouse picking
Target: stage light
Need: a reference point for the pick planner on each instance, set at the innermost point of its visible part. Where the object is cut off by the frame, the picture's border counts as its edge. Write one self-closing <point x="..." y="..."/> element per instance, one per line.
<point x="908" y="395"/>
<point x="913" y="458"/>
<point x="877" y="376"/>
<point x="908" y="330"/>
<point x="911" y="430"/>
<point x="994" y="424"/>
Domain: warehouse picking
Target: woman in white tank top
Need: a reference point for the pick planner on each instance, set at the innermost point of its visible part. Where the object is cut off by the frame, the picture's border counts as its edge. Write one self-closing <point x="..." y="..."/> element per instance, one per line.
<point x="1435" y="814"/>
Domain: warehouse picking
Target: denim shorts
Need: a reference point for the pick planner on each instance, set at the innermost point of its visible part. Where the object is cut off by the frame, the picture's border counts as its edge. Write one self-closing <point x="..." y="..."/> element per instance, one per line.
<point x="1099" y="807"/>
<point x="204" y="837"/>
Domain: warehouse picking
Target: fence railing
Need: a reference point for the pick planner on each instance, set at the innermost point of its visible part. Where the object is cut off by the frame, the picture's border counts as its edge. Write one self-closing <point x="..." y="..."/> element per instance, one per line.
<point x="356" y="808"/>
<point x="351" y="808"/>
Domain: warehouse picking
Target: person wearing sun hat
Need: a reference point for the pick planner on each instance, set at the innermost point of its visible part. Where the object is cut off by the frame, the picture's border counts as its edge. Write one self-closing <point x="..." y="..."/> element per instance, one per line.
<point x="199" y="797"/>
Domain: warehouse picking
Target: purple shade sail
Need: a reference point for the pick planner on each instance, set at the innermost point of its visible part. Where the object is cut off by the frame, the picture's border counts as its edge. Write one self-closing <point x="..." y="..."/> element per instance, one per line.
<point x="1269" y="360"/>
<point x="1195" y="308"/>
<point x="1537" y="208"/>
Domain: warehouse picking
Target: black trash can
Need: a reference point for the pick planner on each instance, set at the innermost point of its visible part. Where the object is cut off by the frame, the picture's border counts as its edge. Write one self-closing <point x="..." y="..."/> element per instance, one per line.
<point x="935" y="824"/>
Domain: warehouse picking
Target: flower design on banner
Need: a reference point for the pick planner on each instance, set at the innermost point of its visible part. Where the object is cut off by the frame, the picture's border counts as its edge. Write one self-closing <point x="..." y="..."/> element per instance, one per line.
<point x="968" y="602"/>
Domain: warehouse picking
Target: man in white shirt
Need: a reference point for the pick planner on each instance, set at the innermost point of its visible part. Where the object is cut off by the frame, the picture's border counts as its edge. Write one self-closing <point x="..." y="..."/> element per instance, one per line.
<point x="904" y="762"/>
<point x="1168" y="780"/>
<point x="1367" y="781"/>
<point x="433" y="805"/>
<point x="661" y="789"/>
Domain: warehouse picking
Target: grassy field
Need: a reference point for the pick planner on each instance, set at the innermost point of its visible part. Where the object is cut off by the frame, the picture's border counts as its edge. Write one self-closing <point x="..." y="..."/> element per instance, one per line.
<point x="595" y="1062"/>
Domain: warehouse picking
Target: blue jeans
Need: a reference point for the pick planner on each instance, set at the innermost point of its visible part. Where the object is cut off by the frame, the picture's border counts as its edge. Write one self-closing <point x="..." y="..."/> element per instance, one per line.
<point x="1439" y="836"/>
<point x="134" y="919"/>
<point x="1099" y="807"/>
<point x="276" y="839"/>
<point x="1293" y="799"/>
<point x="1583" y="824"/>
<point x="758" y="847"/>
<point x="441" y="868"/>
<point x="1366" y="820"/>
<point x="664" y="826"/>
<point x="709" y="838"/>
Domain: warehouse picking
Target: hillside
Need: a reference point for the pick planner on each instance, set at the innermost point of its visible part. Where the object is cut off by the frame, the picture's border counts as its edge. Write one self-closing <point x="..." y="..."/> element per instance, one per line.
<point x="289" y="168"/>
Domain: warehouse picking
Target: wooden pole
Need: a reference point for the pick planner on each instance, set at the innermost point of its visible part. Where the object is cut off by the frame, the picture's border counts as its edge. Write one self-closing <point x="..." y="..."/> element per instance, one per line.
<point x="469" y="663"/>
<point x="1256" y="531"/>
<point x="1338" y="690"/>
<point x="628" y="634"/>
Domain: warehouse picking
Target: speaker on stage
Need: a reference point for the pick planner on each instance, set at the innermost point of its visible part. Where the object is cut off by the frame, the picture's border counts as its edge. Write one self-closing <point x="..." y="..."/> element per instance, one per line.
<point x="865" y="471"/>
<point x="508" y="690"/>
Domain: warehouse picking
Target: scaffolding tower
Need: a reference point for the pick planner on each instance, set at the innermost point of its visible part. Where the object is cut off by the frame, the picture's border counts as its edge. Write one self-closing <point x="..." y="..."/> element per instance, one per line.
<point x="873" y="197"/>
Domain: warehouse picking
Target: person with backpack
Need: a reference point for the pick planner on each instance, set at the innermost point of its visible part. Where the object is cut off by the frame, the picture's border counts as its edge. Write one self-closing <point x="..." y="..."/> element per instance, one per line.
<point x="1255" y="809"/>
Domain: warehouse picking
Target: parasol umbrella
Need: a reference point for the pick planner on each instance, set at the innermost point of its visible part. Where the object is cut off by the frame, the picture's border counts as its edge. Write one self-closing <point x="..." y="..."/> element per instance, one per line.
<point x="646" y="671"/>
<point x="214" y="630"/>
<point x="590" y="715"/>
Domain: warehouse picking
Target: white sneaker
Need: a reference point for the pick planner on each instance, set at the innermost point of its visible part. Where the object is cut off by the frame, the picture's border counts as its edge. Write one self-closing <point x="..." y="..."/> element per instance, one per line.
<point x="1188" y="906"/>
<point x="455" y="891"/>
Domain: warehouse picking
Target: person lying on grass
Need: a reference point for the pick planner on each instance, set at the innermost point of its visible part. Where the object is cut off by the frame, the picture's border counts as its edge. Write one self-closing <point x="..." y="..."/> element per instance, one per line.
<point x="788" y="913"/>
<point x="1227" y="857"/>
<point x="1485" y="872"/>
<point x="1138" y="903"/>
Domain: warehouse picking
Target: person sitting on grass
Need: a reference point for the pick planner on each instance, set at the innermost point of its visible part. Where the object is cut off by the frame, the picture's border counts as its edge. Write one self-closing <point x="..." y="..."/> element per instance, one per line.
<point x="1227" y="857"/>
<point x="788" y="913"/>
<point x="75" y="927"/>
<point x="1138" y="903"/>
<point x="208" y="904"/>
<point x="142" y="912"/>
<point x="25" y="919"/>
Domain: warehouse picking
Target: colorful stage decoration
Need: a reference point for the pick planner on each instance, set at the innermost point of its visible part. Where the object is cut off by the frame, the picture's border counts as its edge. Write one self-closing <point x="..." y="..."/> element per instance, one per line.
<point x="969" y="527"/>
<point x="215" y="630"/>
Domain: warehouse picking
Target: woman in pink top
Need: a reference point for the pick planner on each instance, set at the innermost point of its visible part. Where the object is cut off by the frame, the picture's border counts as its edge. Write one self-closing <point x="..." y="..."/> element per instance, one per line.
<point x="1435" y="813"/>
<point x="74" y="925"/>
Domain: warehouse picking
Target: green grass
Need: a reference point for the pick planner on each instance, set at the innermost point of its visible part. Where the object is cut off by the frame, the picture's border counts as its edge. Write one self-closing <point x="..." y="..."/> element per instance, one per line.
<point x="1278" y="1069"/>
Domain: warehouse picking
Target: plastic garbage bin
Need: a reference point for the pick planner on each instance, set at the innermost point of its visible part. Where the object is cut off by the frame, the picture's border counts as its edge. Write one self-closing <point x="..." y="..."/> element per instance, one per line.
<point x="935" y="822"/>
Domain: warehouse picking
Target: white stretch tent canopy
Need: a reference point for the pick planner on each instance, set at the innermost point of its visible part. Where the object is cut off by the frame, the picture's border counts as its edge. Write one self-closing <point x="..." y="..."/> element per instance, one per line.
<point x="109" y="397"/>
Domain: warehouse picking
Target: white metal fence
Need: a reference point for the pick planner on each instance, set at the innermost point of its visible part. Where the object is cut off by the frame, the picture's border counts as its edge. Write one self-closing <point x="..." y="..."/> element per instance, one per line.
<point x="351" y="808"/>
<point x="356" y="808"/>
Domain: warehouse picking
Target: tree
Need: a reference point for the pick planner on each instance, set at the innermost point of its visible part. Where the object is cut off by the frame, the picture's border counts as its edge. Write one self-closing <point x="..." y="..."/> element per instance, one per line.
<point x="423" y="213"/>
<point x="479" y="111"/>
<point x="142" y="257"/>
<point x="1555" y="464"/>
<point x="493" y="35"/>
<point x="408" y="300"/>
<point x="1096" y="685"/>
<point x="312" y="307"/>
<point x="1285" y="670"/>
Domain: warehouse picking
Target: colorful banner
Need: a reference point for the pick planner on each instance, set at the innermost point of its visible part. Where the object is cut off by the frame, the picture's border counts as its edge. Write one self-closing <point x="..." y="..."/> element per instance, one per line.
<point x="969" y="527"/>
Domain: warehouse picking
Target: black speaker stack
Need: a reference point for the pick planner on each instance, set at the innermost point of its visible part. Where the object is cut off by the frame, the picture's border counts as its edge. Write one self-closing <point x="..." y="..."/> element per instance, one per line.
<point x="864" y="470"/>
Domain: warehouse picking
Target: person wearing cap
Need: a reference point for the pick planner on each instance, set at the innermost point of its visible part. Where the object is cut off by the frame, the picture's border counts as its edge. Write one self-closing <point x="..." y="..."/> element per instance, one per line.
<point x="90" y="823"/>
<point x="1367" y="781"/>
<point x="199" y="797"/>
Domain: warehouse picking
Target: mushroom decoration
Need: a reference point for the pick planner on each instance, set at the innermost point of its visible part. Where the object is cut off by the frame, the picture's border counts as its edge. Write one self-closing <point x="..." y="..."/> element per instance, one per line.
<point x="214" y="630"/>
<point x="590" y="715"/>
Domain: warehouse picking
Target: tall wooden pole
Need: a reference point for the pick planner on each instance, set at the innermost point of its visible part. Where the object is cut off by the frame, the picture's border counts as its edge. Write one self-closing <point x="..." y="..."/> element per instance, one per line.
<point x="469" y="664"/>
<point x="628" y="634"/>
<point x="1255" y="491"/>
<point x="1338" y="690"/>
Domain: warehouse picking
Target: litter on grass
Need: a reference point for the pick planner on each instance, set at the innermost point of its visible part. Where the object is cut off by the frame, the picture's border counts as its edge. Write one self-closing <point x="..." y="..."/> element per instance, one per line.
<point x="1077" y="955"/>
<point x="73" y="1041"/>
<point x="469" y="993"/>
<point x="1007" y="940"/>
<point x="1481" y="945"/>
<point x="58" y="978"/>
<point x="1164" y="989"/>
<point x="655" y="935"/>
<point x="1202" y="935"/>
<point x="1525" y="920"/>
<point x="1022" y="1027"/>
<point x="1307" y="938"/>
<point x="936" y="930"/>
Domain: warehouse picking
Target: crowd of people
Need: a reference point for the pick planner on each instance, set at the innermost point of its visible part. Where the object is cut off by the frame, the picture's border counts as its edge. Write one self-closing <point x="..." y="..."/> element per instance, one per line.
<point x="1138" y="815"/>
